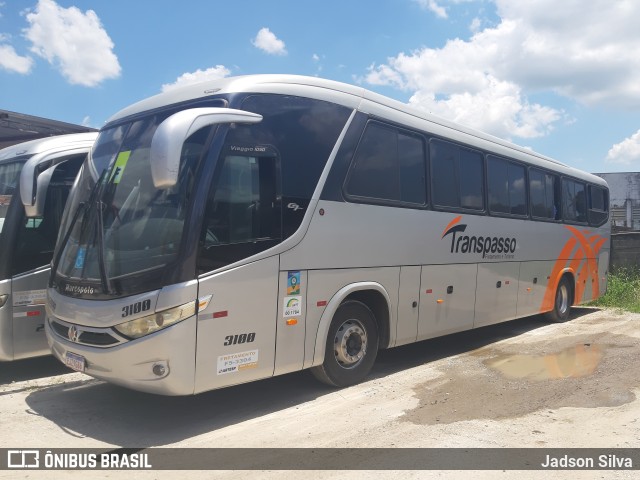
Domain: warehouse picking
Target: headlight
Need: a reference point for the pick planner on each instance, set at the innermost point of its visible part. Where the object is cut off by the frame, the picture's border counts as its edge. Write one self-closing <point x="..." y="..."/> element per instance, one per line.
<point x="152" y="323"/>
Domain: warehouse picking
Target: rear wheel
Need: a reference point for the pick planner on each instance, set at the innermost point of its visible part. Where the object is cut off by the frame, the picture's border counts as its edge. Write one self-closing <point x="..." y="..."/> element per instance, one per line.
<point x="562" y="303"/>
<point x="352" y="346"/>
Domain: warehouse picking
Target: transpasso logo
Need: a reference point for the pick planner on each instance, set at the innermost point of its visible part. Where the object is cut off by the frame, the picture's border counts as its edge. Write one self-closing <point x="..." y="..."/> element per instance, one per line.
<point x="491" y="247"/>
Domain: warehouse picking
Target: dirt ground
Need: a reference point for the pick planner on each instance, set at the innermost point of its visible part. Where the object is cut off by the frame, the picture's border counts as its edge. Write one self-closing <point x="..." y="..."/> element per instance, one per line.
<point x="521" y="384"/>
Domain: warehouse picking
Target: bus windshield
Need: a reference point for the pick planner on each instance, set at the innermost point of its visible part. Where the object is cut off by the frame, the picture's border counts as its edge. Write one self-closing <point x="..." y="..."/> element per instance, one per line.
<point x="9" y="176"/>
<point x="120" y="227"/>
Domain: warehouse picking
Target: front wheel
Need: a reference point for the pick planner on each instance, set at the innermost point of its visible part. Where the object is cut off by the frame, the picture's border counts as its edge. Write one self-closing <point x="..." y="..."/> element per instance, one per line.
<point x="562" y="303"/>
<point x="352" y="346"/>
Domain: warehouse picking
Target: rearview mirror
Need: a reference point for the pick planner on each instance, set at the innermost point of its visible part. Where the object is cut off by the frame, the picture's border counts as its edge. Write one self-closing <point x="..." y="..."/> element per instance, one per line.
<point x="169" y="137"/>
<point x="34" y="182"/>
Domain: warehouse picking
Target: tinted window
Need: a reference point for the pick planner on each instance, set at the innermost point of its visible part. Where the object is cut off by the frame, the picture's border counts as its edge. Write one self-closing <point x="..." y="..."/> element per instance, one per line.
<point x="37" y="236"/>
<point x="506" y="182"/>
<point x="388" y="165"/>
<point x="411" y="163"/>
<point x="242" y="215"/>
<point x="304" y="132"/>
<point x="457" y="176"/>
<point x="544" y="196"/>
<point x="9" y="177"/>
<point x="598" y="205"/>
<point x="574" y="202"/>
<point x="375" y="172"/>
<point x="471" y="179"/>
<point x="444" y="165"/>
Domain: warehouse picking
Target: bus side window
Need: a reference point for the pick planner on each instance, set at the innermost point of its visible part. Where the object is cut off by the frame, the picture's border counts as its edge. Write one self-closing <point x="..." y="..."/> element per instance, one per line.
<point x="507" y="193"/>
<point x="544" y="195"/>
<point x="598" y="205"/>
<point x="242" y="215"/>
<point x="457" y="176"/>
<point x="574" y="201"/>
<point x="388" y="166"/>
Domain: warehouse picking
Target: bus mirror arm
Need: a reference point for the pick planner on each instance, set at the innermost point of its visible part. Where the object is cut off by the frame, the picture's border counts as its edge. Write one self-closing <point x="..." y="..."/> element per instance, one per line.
<point x="169" y="137"/>
<point x="33" y="188"/>
<point x="36" y="210"/>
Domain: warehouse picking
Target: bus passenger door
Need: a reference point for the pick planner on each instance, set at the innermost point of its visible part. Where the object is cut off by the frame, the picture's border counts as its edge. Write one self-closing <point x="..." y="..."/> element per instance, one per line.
<point x="447" y="298"/>
<point x="497" y="293"/>
<point x="28" y="297"/>
<point x="236" y="333"/>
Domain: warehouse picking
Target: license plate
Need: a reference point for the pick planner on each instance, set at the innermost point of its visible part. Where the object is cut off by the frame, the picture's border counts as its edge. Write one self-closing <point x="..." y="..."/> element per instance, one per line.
<point x="74" y="361"/>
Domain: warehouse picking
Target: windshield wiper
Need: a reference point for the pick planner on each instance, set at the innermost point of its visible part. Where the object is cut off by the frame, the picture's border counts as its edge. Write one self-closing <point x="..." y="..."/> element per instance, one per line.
<point x="82" y="209"/>
<point x="104" y="279"/>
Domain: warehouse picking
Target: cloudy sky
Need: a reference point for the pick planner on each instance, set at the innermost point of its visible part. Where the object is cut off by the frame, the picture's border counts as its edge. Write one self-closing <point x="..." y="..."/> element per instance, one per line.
<point x="559" y="76"/>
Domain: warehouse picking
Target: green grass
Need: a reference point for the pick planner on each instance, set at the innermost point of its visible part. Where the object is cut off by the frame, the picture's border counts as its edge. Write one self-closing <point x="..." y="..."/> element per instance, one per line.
<point x="623" y="291"/>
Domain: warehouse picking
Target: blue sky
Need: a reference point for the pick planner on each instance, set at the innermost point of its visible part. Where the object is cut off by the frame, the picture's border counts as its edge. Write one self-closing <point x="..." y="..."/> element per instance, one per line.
<point x="560" y="77"/>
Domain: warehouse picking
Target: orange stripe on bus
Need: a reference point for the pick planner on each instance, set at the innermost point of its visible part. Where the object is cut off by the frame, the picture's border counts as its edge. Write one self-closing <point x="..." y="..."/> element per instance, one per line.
<point x="550" y="293"/>
<point x="592" y="265"/>
<point x="451" y="224"/>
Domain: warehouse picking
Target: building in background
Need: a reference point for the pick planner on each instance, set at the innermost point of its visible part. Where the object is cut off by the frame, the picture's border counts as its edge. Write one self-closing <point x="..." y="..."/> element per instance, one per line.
<point x="19" y="127"/>
<point x="624" y="193"/>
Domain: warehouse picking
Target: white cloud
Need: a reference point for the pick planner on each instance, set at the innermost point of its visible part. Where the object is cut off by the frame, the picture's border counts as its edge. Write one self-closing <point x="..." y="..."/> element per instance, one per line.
<point x="499" y="108"/>
<point x="434" y="7"/>
<point x="626" y="152"/>
<point x="266" y="41"/>
<point x="75" y="42"/>
<point x="586" y="54"/>
<point x="315" y="57"/>
<point x="475" y="25"/>
<point x="213" y="73"/>
<point x="11" y="61"/>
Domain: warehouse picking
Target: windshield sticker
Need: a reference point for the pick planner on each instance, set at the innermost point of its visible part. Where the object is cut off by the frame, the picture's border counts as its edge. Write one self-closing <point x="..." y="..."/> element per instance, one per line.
<point x="292" y="306"/>
<point x="236" y="362"/>
<point x="293" y="283"/>
<point x="82" y="251"/>
<point x="118" y="168"/>
<point x="29" y="297"/>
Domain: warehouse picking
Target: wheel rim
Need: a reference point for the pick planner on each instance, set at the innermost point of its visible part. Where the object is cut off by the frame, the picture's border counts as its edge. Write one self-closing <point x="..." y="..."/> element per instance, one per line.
<point x="562" y="299"/>
<point x="350" y="344"/>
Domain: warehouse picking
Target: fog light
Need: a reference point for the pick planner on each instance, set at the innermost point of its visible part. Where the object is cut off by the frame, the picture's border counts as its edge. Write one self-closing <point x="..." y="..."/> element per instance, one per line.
<point x="159" y="370"/>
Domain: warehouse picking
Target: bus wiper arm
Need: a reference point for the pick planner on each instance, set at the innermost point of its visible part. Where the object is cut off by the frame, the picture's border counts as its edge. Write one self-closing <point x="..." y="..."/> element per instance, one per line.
<point x="104" y="279"/>
<point x="82" y="209"/>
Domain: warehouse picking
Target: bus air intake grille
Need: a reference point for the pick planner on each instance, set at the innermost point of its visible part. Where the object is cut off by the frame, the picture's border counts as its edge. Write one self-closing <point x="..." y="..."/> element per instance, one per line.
<point x="82" y="336"/>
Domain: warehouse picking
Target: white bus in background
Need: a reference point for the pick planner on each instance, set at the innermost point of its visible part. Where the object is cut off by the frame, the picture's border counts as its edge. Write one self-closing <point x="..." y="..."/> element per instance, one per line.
<point x="254" y="226"/>
<point x="35" y="179"/>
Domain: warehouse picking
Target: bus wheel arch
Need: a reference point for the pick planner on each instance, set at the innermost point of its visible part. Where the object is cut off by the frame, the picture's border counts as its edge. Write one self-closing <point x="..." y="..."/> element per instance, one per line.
<point x="354" y="325"/>
<point x="379" y="306"/>
<point x="351" y="346"/>
<point x="563" y="299"/>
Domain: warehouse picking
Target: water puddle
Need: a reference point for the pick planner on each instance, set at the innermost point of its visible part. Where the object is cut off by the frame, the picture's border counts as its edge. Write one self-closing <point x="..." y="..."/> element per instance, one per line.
<point x="573" y="362"/>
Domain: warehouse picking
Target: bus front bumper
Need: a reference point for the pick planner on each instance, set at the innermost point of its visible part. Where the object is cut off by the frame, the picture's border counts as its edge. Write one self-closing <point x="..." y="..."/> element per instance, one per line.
<point x="161" y="363"/>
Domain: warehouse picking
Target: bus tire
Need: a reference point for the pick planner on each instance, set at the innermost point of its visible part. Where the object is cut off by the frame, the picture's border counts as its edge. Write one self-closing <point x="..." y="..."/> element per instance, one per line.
<point x="352" y="346"/>
<point x="562" y="302"/>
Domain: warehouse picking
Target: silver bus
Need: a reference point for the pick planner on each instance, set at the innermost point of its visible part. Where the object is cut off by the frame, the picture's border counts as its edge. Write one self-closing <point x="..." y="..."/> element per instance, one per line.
<point x="253" y="226"/>
<point x="35" y="178"/>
